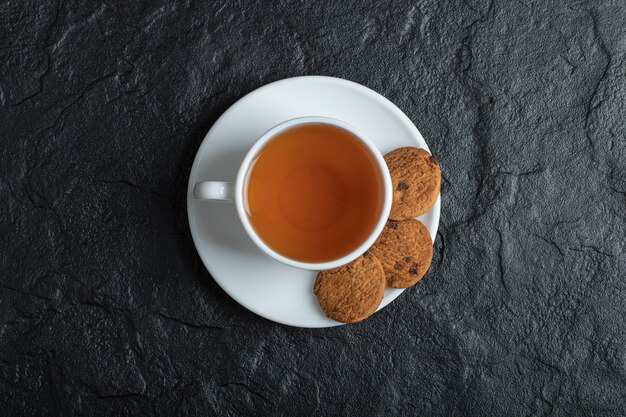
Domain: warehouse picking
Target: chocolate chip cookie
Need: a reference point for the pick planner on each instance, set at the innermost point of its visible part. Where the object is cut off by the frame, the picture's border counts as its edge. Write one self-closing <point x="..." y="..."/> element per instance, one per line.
<point x="416" y="178"/>
<point x="405" y="251"/>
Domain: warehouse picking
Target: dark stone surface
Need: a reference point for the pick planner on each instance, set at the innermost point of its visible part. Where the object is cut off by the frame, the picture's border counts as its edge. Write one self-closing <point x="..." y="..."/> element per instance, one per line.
<point x="105" y="308"/>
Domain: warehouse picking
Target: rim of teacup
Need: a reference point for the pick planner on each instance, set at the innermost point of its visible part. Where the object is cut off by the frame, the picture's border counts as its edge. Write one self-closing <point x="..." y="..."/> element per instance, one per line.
<point x="240" y="200"/>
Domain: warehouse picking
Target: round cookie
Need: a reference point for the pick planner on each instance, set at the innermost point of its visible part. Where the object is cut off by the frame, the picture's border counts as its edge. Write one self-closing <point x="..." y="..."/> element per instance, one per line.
<point x="405" y="250"/>
<point x="352" y="292"/>
<point x="416" y="178"/>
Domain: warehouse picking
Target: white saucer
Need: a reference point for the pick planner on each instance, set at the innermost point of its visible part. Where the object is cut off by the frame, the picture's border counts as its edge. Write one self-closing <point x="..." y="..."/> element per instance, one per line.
<point x="265" y="287"/>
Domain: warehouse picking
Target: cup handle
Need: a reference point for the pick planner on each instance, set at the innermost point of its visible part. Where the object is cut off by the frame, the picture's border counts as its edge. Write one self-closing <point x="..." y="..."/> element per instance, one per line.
<point x="215" y="191"/>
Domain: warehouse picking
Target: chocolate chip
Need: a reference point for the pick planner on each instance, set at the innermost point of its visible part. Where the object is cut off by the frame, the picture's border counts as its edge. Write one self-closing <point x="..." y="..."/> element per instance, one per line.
<point x="392" y="224"/>
<point x="433" y="159"/>
<point x="366" y="254"/>
<point x="413" y="270"/>
<point x="402" y="186"/>
<point x="383" y="242"/>
<point x="397" y="266"/>
<point x="407" y="259"/>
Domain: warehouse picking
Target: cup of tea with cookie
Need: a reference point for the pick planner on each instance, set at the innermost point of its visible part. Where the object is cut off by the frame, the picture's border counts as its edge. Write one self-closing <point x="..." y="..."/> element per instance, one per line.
<point x="316" y="194"/>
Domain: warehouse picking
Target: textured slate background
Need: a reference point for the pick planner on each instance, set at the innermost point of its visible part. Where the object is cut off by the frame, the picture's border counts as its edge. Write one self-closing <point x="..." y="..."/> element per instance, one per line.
<point x="105" y="307"/>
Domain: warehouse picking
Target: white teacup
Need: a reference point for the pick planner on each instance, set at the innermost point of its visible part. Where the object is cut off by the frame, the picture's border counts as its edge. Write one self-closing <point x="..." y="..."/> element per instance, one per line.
<point x="235" y="192"/>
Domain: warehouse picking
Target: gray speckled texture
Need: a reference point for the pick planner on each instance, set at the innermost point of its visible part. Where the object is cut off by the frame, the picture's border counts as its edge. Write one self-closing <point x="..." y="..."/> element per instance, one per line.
<point x="105" y="308"/>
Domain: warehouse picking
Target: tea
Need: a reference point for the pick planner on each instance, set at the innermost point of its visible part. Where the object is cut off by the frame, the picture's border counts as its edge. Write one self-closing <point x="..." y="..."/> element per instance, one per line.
<point x="314" y="193"/>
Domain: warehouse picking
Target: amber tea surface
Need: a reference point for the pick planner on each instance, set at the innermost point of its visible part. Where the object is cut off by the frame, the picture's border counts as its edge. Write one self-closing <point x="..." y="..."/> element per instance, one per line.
<point x="314" y="193"/>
